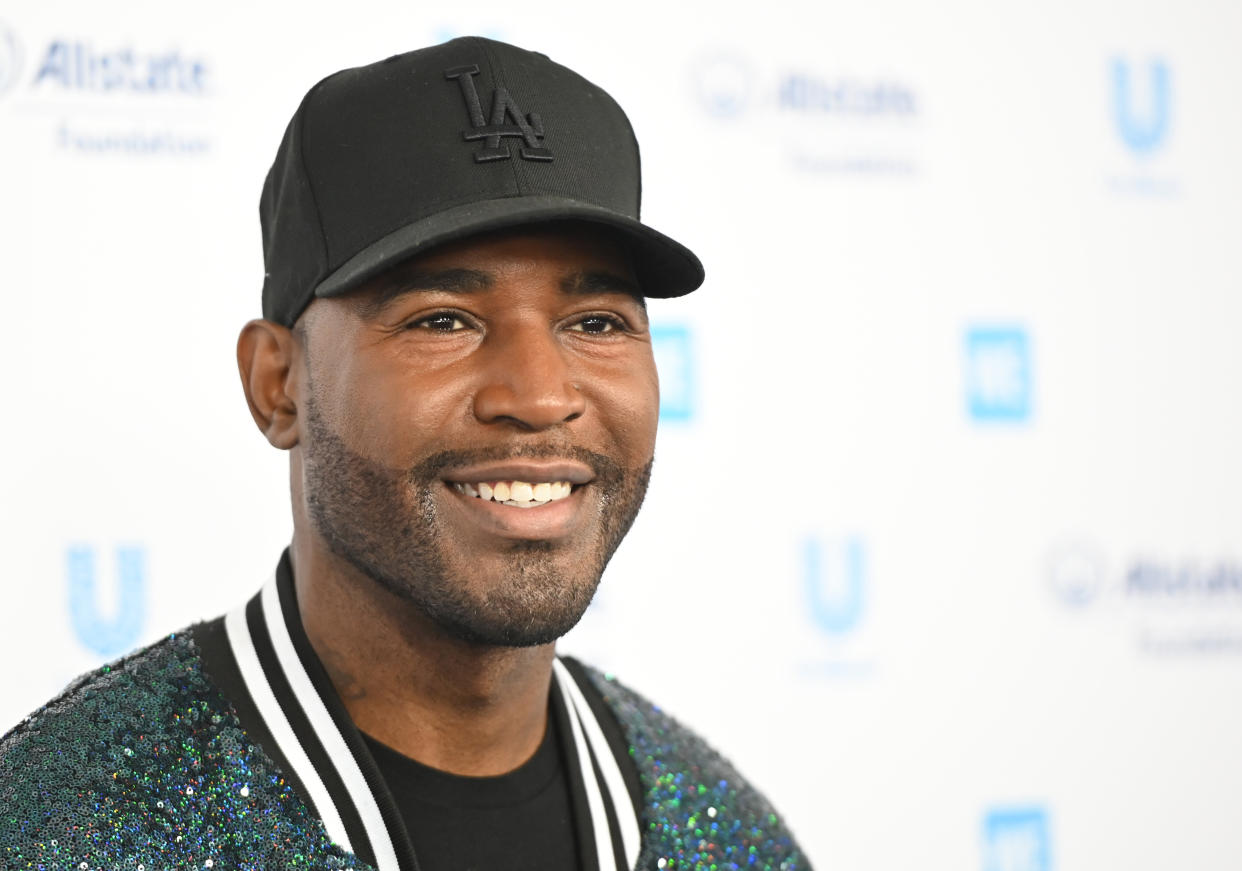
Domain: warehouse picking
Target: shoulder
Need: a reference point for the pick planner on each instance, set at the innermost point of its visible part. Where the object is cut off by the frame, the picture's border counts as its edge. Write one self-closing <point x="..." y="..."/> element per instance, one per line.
<point x="698" y="811"/>
<point x="144" y="762"/>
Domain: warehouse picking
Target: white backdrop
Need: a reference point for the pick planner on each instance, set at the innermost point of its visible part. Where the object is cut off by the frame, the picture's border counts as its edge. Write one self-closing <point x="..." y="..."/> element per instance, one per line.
<point x="943" y="546"/>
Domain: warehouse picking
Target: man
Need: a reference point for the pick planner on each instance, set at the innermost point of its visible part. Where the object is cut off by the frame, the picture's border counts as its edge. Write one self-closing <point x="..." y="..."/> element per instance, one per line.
<point x="455" y="354"/>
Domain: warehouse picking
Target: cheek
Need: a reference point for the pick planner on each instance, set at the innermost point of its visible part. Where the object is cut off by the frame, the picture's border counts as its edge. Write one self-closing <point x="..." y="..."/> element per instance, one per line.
<point x="630" y="407"/>
<point x="392" y="417"/>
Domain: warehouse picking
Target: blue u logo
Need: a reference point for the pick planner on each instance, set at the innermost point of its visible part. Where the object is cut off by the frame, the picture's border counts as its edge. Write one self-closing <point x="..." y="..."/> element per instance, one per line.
<point x="835" y="597"/>
<point x="674" y="355"/>
<point x="117" y="633"/>
<point x="1141" y="131"/>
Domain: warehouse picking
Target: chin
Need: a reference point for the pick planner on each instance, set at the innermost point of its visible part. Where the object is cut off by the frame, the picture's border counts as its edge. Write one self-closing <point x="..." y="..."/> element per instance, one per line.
<point x="533" y="598"/>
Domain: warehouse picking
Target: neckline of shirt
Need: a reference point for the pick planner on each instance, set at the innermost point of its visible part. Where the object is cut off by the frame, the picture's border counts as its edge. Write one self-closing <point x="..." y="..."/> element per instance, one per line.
<point x="410" y="779"/>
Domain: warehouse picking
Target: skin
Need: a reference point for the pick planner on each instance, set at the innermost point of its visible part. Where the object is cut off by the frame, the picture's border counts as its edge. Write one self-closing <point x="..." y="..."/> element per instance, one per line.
<point x="434" y="613"/>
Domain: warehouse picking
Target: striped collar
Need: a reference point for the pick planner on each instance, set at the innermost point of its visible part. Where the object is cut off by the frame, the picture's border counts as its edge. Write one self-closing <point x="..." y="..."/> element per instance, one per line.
<point x="311" y="727"/>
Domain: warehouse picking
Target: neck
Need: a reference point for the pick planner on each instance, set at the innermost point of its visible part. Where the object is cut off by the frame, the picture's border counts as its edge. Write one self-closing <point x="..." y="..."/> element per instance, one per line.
<point x="462" y="708"/>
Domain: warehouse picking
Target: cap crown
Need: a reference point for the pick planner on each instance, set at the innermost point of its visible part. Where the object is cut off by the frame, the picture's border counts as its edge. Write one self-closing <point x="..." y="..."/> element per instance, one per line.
<point x="375" y="155"/>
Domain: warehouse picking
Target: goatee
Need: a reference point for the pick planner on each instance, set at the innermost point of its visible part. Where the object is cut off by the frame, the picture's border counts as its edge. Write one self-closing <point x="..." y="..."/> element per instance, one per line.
<point x="386" y="523"/>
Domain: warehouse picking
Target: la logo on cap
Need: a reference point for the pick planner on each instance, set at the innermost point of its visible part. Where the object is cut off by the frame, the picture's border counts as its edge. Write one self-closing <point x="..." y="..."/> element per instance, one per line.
<point x="528" y="127"/>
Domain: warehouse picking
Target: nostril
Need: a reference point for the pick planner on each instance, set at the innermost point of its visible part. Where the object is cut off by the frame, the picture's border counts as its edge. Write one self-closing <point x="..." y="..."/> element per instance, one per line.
<point x="523" y="400"/>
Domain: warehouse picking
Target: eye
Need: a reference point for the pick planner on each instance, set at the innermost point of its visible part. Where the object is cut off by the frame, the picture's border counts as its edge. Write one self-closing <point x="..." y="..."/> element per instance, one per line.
<point x="440" y="322"/>
<point x="597" y="324"/>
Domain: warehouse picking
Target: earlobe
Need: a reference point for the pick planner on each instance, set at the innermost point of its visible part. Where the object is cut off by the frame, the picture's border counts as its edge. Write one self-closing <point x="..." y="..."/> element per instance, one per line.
<point x="266" y="354"/>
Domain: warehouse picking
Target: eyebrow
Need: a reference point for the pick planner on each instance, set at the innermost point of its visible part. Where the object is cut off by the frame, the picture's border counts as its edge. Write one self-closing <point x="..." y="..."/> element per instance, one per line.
<point x="597" y="281"/>
<point x="400" y="282"/>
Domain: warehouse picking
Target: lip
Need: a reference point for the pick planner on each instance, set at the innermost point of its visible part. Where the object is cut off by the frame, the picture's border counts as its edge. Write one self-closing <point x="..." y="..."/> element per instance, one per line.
<point x="552" y="520"/>
<point x="532" y="471"/>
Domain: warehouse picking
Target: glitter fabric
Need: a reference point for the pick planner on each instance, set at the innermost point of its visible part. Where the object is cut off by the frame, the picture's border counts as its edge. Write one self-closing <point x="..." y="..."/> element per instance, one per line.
<point x="142" y="766"/>
<point x="698" y="813"/>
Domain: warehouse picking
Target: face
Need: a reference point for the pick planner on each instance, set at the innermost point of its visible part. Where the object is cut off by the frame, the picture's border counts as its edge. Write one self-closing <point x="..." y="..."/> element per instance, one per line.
<point x="479" y="428"/>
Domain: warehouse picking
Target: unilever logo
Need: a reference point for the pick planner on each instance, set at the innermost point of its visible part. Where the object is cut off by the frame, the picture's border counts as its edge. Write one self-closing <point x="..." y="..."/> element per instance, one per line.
<point x="834" y="582"/>
<point x="998" y="374"/>
<point x="1141" y="105"/>
<point x="10" y="58"/>
<point x="673" y="347"/>
<point x="118" y="630"/>
<point x="1016" y="839"/>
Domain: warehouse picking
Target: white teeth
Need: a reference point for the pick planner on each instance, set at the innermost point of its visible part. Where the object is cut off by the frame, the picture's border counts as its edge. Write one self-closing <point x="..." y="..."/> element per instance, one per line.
<point x="518" y="494"/>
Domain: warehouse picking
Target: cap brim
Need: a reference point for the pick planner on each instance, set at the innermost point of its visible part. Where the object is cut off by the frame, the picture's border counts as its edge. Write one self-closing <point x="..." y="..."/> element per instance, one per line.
<point x="664" y="268"/>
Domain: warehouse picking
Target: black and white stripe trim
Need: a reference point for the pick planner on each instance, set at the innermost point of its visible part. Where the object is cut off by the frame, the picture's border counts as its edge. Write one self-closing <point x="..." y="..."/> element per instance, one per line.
<point x="582" y="720"/>
<point x="328" y="757"/>
<point x="295" y="713"/>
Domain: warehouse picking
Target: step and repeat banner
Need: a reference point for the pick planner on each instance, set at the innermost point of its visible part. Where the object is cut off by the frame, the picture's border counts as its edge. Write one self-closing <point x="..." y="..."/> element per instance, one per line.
<point x="944" y="542"/>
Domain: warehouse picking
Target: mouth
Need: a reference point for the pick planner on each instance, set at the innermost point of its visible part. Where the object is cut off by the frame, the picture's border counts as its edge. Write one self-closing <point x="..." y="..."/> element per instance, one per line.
<point x="516" y="493"/>
<point x="549" y="496"/>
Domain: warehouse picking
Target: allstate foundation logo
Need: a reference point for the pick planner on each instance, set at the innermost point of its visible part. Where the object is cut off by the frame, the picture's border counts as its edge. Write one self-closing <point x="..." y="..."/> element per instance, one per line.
<point x="846" y="96"/>
<point x="1076" y="572"/>
<point x="110" y="628"/>
<point x="673" y="347"/>
<point x="1079" y="575"/>
<point x="1016" y="839"/>
<point x="725" y="85"/>
<point x="998" y="374"/>
<point x="834" y="583"/>
<point x="822" y="120"/>
<point x="10" y="59"/>
<point x="1141" y="104"/>
<point x="728" y="85"/>
<point x="1173" y="604"/>
<point x="81" y="67"/>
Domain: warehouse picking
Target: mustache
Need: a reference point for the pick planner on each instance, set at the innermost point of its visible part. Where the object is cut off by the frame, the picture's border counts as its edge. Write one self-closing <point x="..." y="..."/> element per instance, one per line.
<point x="607" y="470"/>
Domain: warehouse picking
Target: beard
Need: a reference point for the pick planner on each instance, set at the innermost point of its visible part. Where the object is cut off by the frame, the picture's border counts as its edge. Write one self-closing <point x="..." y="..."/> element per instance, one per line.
<point x="385" y="523"/>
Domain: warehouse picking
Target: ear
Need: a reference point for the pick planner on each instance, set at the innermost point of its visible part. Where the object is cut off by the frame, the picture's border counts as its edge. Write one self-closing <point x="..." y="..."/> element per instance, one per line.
<point x="266" y="354"/>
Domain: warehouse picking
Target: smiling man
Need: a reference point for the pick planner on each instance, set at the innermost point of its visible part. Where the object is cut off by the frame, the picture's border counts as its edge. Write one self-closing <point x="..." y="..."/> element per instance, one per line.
<point x="455" y="353"/>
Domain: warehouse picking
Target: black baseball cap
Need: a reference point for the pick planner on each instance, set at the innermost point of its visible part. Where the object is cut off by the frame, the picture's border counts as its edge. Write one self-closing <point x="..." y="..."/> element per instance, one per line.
<point x="387" y="160"/>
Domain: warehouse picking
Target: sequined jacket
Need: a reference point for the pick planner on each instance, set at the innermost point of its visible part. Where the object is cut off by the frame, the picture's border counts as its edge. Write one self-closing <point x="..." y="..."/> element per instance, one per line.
<point x="224" y="747"/>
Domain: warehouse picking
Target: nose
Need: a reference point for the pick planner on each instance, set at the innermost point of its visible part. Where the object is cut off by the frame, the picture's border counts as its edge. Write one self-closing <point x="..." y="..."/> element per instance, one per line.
<point x="527" y="381"/>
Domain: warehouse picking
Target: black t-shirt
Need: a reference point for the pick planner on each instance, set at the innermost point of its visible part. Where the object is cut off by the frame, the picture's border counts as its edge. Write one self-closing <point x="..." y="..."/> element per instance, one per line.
<point x="527" y="825"/>
<point x="520" y="821"/>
